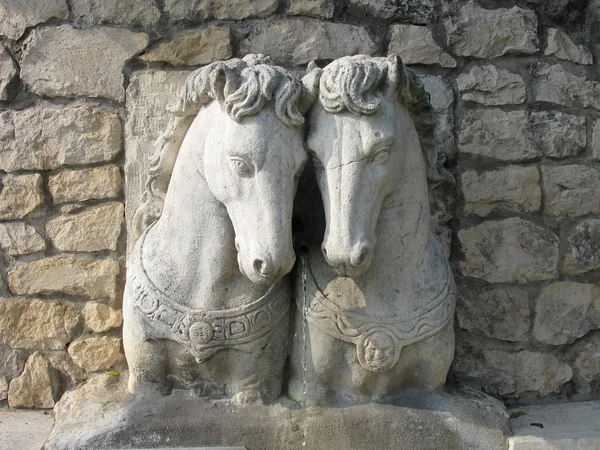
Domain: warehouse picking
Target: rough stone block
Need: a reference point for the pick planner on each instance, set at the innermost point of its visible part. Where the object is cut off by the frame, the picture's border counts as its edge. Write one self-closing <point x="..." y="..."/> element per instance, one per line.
<point x="487" y="33"/>
<point x="3" y="388"/>
<point x="571" y="191"/>
<point x="415" y="11"/>
<point x="35" y="387"/>
<point x="561" y="46"/>
<point x="415" y="45"/>
<point x="8" y="71"/>
<point x="583" y="251"/>
<point x="511" y="188"/>
<point x="122" y="12"/>
<point x="70" y="373"/>
<point x="20" y="195"/>
<point x="553" y="84"/>
<point x="194" y="47"/>
<point x="68" y="275"/>
<point x="92" y="230"/>
<point x="12" y="362"/>
<point x="68" y="62"/>
<point x="17" y="15"/>
<point x="588" y="362"/>
<point x="490" y="85"/>
<point x="36" y="324"/>
<point x="200" y="10"/>
<point x="20" y="239"/>
<point x="100" y="317"/>
<point x="442" y="100"/>
<point x="558" y="135"/>
<point x="314" y="8"/>
<point x="318" y="40"/>
<point x="86" y="184"/>
<point x="45" y="138"/>
<point x="96" y="353"/>
<point x="509" y="251"/>
<point x="596" y="140"/>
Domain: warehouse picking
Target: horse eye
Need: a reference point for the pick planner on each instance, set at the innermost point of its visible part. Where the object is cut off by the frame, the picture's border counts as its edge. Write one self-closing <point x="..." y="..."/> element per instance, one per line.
<point x="381" y="156"/>
<point x="240" y="166"/>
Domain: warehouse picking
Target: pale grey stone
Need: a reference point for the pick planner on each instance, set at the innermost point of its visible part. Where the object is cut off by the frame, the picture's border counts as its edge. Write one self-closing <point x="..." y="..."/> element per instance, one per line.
<point x="8" y="71"/>
<point x="17" y="15"/>
<point x="511" y="188"/>
<point x="596" y="140"/>
<point x="3" y="388"/>
<point x="558" y="135"/>
<point x="28" y="428"/>
<point x="11" y="362"/>
<point x="509" y="251"/>
<point x="34" y="388"/>
<point x="314" y="8"/>
<point x="415" y="11"/>
<point x="18" y="238"/>
<point x="571" y="191"/>
<point x="65" y="61"/>
<point x="71" y="374"/>
<point x="442" y="99"/>
<point x="553" y="84"/>
<point x="318" y="40"/>
<point x="123" y="12"/>
<point x="583" y="251"/>
<point x="498" y="312"/>
<point x="561" y="46"/>
<point x="588" y="362"/>
<point x="490" y="85"/>
<point x="565" y="311"/>
<point x="487" y="33"/>
<point x="415" y="45"/>
<point x="86" y="184"/>
<point x="200" y="10"/>
<point x="20" y="195"/>
<point x="192" y="48"/>
<point x="45" y="138"/>
<point x="96" y="353"/>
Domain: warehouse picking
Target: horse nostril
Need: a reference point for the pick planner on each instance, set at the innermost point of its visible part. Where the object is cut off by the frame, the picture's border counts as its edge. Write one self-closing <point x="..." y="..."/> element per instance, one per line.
<point x="258" y="265"/>
<point x="263" y="268"/>
<point x="360" y="257"/>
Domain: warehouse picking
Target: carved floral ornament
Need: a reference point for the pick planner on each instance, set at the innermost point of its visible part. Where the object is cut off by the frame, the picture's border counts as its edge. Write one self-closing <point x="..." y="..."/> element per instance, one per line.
<point x="209" y="273"/>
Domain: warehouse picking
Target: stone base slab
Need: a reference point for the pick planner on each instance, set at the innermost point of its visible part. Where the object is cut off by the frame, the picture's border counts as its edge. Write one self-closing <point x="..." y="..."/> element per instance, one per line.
<point x="101" y="415"/>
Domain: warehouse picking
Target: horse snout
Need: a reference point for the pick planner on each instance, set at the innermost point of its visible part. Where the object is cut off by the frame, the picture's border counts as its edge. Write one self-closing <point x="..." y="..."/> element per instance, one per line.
<point x="351" y="262"/>
<point x="264" y="268"/>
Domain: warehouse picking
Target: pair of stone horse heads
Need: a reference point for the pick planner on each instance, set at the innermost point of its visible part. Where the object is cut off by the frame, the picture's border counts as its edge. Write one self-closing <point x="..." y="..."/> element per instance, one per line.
<point x="207" y="302"/>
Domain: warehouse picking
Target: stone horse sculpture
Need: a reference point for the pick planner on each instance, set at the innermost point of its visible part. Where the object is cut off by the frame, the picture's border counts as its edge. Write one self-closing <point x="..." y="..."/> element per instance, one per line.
<point x="378" y="313"/>
<point x="204" y="303"/>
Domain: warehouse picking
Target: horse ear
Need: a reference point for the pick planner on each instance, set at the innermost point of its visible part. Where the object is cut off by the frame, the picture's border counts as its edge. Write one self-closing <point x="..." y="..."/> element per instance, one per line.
<point x="310" y="86"/>
<point x="395" y="74"/>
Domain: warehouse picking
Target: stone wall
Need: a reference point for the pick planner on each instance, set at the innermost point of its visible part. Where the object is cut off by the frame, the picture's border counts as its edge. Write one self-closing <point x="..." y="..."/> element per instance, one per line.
<point x="83" y="89"/>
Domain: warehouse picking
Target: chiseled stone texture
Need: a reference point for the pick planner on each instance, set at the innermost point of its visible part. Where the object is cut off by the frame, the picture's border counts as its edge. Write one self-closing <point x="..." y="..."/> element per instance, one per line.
<point x="92" y="230"/>
<point x="487" y="33"/>
<point x="36" y="324"/>
<point x="96" y="353"/>
<point x="510" y="374"/>
<point x="559" y="135"/>
<point x="571" y="191"/>
<point x="122" y="12"/>
<point x="415" y="45"/>
<point x="490" y="85"/>
<point x="554" y="84"/>
<point x="498" y="312"/>
<point x="588" y="362"/>
<point x="303" y="41"/>
<point x="565" y="311"/>
<point x="70" y="373"/>
<point x="68" y="275"/>
<point x="3" y="388"/>
<point x="18" y="15"/>
<point x="199" y="10"/>
<point x="509" y="251"/>
<point x="314" y="8"/>
<point x="12" y="361"/>
<point x="561" y="46"/>
<point x="596" y="140"/>
<point x="194" y="47"/>
<point x="100" y="317"/>
<point x="68" y="62"/>
<point x="583" y="251"/>
<point x="415" y="11"/>
<point x="86" y="184"/>
<point x="44" y="138"/>
<point x="8" y="71"/>
<point x="20" y="239"/>
<point x="511" y="188"/>
<point x="442" y="100"/>
<point x="35" y="387"/>
<point x="20" y="195"/>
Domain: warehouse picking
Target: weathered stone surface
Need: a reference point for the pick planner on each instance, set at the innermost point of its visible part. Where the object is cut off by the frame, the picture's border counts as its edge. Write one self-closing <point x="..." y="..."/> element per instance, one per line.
<point x="3" y="388"/>
<point x="34" y="388"/>
<point x="596" y="140"/>
<point x="442" y="100"/>
<point x="415" y="45"/>
<point x="588" y="362"/>
<point x="498" y="312"/>
<point x="69" y="275"/>
<point x="8" y="70"/>
<point x="314" y="8"/>
<point x="509" y="251"/>
<point x="558" y="135"/>
<point x="583" y="252"/>
<point x="508" y="374"/>
<point x="553" y="84"/>
<point x="121" y="12"/>
<point x="490" y="85"/>
<point x="487" y="33"/>
<point x="199" y="10"/>
<point x="69" y="372"/>
<point x="68" y="62"/>
<point x="571" y="191"/>
<point x="36" y="324"/>
<point x="16" y="15"/>
<point x="92" y="230"/>
<point x="565" y="311"/>
<point x="12" y="362"/>
<point x="20" y="195"/>
<point x="511" y="188"/>
<point x="46" y="138"/>
<point x="100" y="317"/>
<point x="86" y="184"/>
<point x="194" y="47"/>
<point x="303" y="41"/>
<point x="415" y="11"/>
<point x="20" y="239"/>
<point x="561" y="46"/>
<point x="96" y="353"/>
